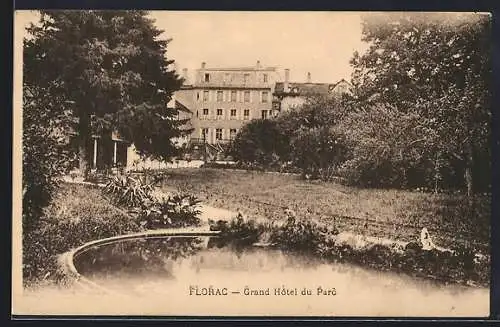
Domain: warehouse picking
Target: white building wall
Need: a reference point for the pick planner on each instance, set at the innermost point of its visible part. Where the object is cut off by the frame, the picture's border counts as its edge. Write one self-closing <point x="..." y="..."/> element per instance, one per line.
<point x="289" y="102"/>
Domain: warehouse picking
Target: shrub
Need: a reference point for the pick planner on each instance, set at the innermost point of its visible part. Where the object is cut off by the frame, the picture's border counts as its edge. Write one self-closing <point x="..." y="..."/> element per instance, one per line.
<point x="137" y="195"/>
<point x="304" y="235"/>
<point x="260" y="142"/>
<point x="128" y="191"/>
<point x="318" y="151"/>
<point x="178" y="210"/>
<point x="238" y="231"/>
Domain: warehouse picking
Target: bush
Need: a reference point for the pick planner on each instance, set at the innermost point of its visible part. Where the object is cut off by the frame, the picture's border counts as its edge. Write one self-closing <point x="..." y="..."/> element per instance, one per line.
<point x="128" y="191"/>
<point x="260" y="142"/>
<point x="318" y="151"/>
<point x="137" y="195"/>
<point x="238" y="231"/>
<point x="77" y="215"/>
<point x="304" y="235"/>
<point x="178" y="210"/>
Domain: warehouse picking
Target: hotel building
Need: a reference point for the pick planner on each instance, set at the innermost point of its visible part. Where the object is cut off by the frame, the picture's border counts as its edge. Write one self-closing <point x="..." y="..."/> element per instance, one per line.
<point x="222" y="100"/>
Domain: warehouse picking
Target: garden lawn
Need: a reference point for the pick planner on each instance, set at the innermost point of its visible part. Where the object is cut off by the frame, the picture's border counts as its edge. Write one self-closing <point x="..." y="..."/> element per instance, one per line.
<point x="78" y="214"/>
<point x="396" y="214"/>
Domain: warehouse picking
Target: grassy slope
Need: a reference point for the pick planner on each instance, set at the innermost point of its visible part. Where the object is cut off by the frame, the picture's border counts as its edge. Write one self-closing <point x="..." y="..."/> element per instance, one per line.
<point x="390" y="213"/>
<point x="77" y="214"/>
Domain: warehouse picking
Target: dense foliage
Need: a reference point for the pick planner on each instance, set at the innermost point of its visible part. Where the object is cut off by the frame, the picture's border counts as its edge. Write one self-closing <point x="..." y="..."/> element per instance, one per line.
<point x="260" y="142"/>
<point x="45" y="152"/>
<point x="432" y="75"/>
<point x="304" y="139"/>
<point x="419" y="115"/>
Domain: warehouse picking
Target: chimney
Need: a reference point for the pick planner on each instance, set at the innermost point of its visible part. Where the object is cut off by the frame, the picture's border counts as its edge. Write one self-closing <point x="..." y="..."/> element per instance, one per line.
<point x="308" y="77"/>
<point x="203" y="65"/>
<point x="287" y="78"/>
<point x="258" y="64"/>
<point x="185" y="75"/>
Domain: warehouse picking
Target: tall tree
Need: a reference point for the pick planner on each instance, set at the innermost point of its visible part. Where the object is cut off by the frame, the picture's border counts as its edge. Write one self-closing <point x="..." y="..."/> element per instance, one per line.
<point x="112" y="67"/>
<point x="436" y="66"/>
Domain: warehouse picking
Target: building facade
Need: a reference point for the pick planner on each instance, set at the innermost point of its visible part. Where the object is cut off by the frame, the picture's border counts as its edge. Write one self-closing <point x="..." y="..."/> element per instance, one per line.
<point x="289" y="95"/>
<point x="222" y="100"/>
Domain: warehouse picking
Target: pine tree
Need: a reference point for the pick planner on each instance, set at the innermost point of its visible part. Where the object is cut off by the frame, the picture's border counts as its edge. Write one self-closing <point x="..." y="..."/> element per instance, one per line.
<point x="110" y="69"/>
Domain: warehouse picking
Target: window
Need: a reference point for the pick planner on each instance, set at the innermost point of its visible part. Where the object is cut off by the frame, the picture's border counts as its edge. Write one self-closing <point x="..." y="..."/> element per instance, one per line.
<point x="207" y="78"/>
<point x="246" y="96"/>
<point x="227" y="77"/>
<point x="205" y="112"/>
<point x="270" y="113"/>
<point x="246" y="77"/>
<point x="218" y="134"/>
<point x="219" y="113"/>
<point x="264" y="78"/>
<point x="232" y="133"/>
<point x="198" y="96"/>
<point x="264" y="114"/>
<point x="246" y="114"/>
<point x="205" y="96"/>
<point x="233" y="96"/>
<point x="204" y="133"/>
<point x="220" y="96"/>
<point x="265" y="95"/>
<point x="233" y="113"/>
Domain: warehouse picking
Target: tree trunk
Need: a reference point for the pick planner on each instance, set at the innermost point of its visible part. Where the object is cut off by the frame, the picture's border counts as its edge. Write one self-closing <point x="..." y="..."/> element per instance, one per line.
<point x="83" y="141"/>
<point x="469" y="164"/>
<point x="468" y="180"/>
<point x="437" y="175"/>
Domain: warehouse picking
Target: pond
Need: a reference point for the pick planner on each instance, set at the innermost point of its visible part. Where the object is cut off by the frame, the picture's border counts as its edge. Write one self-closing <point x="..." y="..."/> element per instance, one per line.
<point x="203" y="276"/>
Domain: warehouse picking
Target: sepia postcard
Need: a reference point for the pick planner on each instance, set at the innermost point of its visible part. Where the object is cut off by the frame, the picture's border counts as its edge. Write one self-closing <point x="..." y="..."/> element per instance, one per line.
<point x="251" y="164"/>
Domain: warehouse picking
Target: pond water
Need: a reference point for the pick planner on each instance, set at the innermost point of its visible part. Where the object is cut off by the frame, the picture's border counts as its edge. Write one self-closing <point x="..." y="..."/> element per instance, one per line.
<point x="202" y="276"/>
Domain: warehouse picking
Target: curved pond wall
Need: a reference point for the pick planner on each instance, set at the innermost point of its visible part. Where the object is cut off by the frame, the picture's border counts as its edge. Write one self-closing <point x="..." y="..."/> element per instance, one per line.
<point x="67" y="259"/>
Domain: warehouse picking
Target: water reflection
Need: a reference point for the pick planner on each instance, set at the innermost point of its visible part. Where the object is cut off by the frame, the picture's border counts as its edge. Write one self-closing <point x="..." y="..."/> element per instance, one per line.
<point x="155" y="276"/>
<point x="162" y="257"/>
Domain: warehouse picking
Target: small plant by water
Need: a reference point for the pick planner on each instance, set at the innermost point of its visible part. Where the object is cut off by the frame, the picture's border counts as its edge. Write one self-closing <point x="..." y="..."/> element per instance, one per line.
<point x="152" y="211"/>
<point x="178" y="210"/>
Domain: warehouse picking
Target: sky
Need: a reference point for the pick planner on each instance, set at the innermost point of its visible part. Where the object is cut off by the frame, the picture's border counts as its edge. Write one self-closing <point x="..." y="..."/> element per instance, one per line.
<point x="321" y="43"/>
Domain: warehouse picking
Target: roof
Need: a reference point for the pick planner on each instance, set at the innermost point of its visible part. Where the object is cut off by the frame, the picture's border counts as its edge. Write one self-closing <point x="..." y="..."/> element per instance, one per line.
<point x="307" y="88"/>
<point x="181" y="107"/>
<point x="239" y="69"/>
